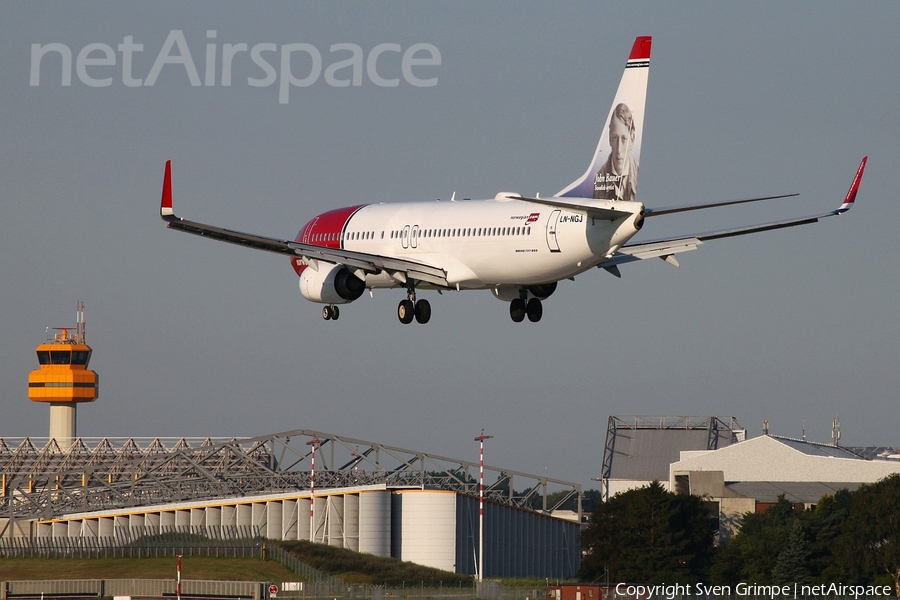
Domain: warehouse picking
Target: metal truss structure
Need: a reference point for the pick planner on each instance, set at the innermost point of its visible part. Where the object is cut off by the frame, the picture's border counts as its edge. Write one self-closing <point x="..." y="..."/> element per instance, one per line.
<point x="45" y="481"/>
<point x="717" y="428"/>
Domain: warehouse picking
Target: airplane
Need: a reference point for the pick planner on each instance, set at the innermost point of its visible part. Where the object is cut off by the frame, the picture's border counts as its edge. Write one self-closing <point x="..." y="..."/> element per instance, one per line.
<point x="516" y="246"/>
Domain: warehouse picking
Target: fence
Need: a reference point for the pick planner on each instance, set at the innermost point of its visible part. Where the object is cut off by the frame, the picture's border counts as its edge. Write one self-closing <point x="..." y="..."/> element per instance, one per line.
<point x="233" y="542"/>
<point x="315" y="583"/>
<point x="253" y="590"/>
<point x="98" y="588"/>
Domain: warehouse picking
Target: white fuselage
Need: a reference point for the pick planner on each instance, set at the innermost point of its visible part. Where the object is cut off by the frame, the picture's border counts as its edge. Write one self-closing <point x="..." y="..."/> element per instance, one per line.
<point x="485" y="243"/>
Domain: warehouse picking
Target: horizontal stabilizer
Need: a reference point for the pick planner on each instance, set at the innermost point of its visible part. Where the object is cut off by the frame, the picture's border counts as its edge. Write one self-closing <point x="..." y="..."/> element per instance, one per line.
<point x="595" y="212"/>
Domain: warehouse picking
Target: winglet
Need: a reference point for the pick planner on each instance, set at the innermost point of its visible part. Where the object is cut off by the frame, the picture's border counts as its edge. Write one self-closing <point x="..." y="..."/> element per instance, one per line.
<point x="165" y="206"/>
<point x="854" y="188"/>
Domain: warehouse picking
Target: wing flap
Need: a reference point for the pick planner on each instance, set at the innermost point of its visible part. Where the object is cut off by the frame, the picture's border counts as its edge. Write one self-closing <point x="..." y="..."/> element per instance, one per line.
<point x="372" y="263"/>
<point x="660" y="249"/>
<point x="227" y="235"/>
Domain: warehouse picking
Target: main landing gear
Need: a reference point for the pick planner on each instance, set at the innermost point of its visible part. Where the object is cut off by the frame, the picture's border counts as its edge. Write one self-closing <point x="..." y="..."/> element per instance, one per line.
<point x="331" y="313"/>
<point x="519" y="308"/>
<point x="410" y="309"/>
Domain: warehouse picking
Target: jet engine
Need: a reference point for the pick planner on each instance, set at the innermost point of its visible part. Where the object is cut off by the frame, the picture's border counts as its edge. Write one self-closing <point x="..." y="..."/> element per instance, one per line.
<point x="508" y="293"/>
<point x="332" y="284"/>
<point x="543" y="290"/>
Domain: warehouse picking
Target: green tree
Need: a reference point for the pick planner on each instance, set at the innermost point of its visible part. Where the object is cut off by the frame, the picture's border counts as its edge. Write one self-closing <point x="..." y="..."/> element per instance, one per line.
<point x="870" y="537"/>
<point x="649" y="535"/>
<point x="752" y="553"/>
<point x="792" y="563"/>
<point x="824" y="525"/>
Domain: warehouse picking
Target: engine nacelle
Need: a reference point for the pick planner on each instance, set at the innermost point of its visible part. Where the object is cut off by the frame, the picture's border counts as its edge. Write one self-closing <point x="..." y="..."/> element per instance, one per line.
<point x="542" y="291"/>
<point x="330" y="284"/>
<point x="508" y="293"/>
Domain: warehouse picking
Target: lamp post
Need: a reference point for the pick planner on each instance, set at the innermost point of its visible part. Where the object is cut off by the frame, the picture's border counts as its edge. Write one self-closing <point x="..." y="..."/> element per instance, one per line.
<point x="480" y="439"/>
<point x="178" y="579"/>
<point x="312" y="489"/>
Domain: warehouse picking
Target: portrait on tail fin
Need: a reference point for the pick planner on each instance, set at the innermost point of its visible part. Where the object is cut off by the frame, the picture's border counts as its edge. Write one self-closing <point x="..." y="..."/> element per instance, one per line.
<point x="617" y="178"/>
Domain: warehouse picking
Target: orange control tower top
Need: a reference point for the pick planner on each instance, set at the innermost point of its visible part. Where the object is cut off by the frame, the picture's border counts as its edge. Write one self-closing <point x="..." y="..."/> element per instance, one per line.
<point x="63" y="375"/>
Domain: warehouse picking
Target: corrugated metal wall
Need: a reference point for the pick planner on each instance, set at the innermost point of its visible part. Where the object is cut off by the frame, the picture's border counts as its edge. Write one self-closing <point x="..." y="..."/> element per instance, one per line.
<point x="517" y="543"/>
<point x="436" y="528"/>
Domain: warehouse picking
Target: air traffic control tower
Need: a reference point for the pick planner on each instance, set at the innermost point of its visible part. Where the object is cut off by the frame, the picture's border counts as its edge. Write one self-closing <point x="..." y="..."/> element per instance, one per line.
<point x="63" y="379"/>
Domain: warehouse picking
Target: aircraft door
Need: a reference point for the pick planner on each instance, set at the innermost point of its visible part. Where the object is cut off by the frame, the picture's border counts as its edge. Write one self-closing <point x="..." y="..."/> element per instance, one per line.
<point x="551" y="231"/>
<point x="404" y="237"/>
<point x="414" y="239"/>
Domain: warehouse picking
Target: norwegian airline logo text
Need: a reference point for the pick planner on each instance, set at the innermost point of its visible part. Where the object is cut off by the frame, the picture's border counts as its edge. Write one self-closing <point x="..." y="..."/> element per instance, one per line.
<point x="532" y="218"/>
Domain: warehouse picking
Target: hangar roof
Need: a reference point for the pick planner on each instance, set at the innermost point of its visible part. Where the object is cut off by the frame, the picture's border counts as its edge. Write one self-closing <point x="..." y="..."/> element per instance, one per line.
<point x="769" y="459"/>
<point x="642" y="447"/>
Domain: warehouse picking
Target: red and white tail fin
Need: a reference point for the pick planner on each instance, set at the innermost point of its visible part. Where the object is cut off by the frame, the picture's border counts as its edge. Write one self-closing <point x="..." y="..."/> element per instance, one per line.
<point x="613" y="171"/>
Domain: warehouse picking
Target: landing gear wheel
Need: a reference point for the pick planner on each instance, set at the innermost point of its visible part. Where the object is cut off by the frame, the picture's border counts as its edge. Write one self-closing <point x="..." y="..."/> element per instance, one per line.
<point x="405" y="311"/>
<point x="335" y="313"/>
<point x="535" y="310"/>
<point x="326" y="313"/>
<point x="423" y="311"/>
<point x="517" y="310"/>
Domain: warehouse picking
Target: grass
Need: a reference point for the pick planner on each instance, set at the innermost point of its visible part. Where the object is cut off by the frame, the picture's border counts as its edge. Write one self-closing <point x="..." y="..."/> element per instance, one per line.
<point x="192" y="567"/>
<point x="355" y="567"/>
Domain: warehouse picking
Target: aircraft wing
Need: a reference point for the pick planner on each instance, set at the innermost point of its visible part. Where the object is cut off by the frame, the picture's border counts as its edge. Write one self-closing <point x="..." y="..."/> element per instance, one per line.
<point x="666" y="248"/>
<point x="368" y="263"/>
<point x="655" y="212"/>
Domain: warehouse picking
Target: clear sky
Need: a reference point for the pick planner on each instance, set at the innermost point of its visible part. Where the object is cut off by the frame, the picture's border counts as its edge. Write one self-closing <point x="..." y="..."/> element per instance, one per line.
<point x="196" y="338"/>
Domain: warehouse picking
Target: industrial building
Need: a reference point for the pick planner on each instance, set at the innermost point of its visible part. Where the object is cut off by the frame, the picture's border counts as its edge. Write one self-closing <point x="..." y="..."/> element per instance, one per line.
<point x="296" y="485"/>
<point x="639" y="449"/>
<point x="750" y="476"/>
<point x="712" y="457"/>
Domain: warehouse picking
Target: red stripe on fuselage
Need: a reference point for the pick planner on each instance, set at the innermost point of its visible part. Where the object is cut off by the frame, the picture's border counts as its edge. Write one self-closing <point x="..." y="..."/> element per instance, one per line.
<point x="325" y="230"/>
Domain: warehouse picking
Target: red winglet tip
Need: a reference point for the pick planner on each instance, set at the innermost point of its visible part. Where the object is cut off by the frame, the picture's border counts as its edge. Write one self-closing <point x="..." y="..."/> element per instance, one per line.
<point x="165" y="207"/>
<point x="641" y="48"/>
<point x="854" y="187"/>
